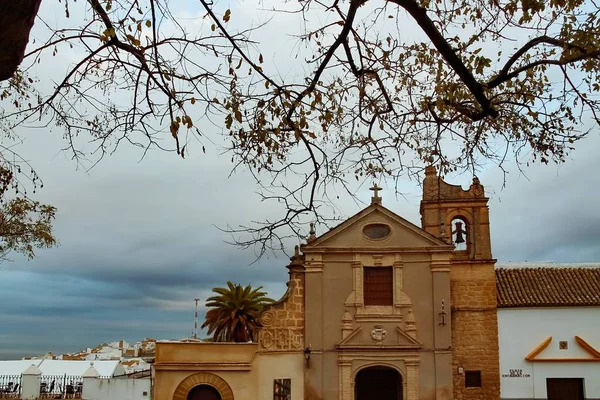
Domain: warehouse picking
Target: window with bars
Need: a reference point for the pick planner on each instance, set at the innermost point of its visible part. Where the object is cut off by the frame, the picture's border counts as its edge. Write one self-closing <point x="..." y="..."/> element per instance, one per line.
<point x="378" y="286"/>
<point x="282" y="389"/>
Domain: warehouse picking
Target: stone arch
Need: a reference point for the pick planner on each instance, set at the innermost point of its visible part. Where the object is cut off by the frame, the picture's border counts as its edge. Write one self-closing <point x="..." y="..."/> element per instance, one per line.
<point x="378" y="364"/>
<point x="467" y="217"/>
<point x="203" y="378"/>
<point x="459" y="213"/>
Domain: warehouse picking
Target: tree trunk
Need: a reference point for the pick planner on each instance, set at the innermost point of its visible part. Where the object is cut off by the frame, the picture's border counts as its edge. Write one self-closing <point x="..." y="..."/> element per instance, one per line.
<point x="16" y="19"/>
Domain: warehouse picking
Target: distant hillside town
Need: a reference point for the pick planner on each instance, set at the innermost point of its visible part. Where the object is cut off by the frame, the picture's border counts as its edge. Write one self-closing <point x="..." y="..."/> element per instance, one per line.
<point x="134" y="357"/>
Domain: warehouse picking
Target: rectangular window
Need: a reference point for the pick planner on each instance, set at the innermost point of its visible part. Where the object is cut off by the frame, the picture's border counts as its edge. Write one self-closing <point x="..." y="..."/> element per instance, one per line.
<point x="282" y="389"/>
<point x="472" y="378"/>
<point x="378" y="286"/>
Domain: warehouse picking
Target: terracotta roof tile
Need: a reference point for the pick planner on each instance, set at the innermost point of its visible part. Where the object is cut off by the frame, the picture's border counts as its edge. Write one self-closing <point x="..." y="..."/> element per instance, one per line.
<point x="548" y="287"/>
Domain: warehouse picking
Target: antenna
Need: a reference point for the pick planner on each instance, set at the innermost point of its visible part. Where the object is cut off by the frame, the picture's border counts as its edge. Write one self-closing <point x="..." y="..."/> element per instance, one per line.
<point x="195" y="334"/>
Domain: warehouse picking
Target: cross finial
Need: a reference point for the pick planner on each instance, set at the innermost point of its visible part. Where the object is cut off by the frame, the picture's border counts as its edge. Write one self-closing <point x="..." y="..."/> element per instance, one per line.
<point x="375" y="199"/>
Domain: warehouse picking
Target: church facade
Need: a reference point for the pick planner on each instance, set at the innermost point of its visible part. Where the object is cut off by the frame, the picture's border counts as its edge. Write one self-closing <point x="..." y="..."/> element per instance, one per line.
<point x="376" y="308"/>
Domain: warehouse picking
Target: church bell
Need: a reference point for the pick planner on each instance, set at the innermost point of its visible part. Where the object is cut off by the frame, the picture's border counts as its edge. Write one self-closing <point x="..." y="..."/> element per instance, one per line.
<point x="459" y="233"/>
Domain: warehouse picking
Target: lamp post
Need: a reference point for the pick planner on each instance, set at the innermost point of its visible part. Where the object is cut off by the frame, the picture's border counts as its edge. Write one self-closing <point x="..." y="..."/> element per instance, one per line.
<point x="307" y="352"/>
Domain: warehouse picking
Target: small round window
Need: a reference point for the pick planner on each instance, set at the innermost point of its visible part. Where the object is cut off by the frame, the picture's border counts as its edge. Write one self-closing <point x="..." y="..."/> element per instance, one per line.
<point x="377" y="231"/>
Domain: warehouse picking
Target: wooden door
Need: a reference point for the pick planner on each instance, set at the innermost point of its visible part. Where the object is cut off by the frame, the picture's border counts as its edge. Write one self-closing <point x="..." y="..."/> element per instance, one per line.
<point x="204" y="392"/>
<point x="564" y="388"/>
<point x="378" y="383"/>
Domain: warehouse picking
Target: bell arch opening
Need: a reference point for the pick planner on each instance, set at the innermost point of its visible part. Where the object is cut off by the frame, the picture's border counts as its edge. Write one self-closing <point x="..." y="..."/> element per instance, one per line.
<point x="378" y="382"/>
<point x="460" y="233"/>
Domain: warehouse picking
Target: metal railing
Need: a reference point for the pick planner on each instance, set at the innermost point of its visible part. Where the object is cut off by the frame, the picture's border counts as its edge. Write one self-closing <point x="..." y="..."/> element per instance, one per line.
<point x="61" y="387"/>
<point x="10" y="386"/>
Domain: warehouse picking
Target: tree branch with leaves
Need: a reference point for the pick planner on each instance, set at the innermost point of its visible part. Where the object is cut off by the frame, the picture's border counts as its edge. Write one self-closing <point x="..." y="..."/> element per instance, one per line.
<point x="384" y="88"/>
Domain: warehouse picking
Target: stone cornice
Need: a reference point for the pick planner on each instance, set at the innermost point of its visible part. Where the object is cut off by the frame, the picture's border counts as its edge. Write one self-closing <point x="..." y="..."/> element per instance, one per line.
<point x="206" y="366"/>
<point x="380" y="250"/>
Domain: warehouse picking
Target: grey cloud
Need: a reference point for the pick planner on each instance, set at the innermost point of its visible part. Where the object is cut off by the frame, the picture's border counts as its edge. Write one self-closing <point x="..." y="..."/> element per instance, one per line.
<point x="138" y="241"/>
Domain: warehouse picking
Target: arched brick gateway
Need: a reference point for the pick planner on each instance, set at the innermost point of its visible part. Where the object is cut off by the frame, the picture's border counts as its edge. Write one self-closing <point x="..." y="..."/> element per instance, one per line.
<point x="203" y="378"/>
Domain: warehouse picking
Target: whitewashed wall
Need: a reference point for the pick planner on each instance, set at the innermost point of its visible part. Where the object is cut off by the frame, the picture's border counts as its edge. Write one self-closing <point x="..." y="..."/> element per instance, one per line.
<point x="113" y="389"/>
<point x="520" y="331"/>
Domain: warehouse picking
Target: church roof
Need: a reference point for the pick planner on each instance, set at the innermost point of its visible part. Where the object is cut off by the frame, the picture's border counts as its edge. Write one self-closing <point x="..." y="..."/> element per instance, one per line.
<point x="547" y="287"/>
<point x="377" y="207"/>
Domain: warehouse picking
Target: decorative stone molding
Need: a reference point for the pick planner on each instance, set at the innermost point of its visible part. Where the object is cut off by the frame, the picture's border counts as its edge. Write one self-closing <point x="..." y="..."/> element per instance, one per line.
<point x="313" y="266"/>
<point x="411" y="325"/>
<point x="356" y="298"/>
<point x="267" y="318"/>
<point x="203" y="378"/>
<point x="282" y="323"/>
<point x="345" y="382"/>
<point x="281" y="339"/>
<point x="412" y="375"/>
<point x="407" y="366"/>
<point x="346" y="325"/>
<point x="401" y="299"/>
<point x="404" y="337"/>
<point x="378" y="334"/>
<point x="376" y="222"/>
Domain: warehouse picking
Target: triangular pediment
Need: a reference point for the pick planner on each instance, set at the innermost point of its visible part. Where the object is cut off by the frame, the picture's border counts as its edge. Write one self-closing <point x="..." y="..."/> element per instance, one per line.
<point x="366" y="338"/>
<point x="352" y="232"/>
<point x="538" y="354"/>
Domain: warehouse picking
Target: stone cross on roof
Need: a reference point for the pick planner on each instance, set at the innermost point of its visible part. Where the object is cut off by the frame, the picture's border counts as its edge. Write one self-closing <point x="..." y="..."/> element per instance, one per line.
<point x="375" y="199"/>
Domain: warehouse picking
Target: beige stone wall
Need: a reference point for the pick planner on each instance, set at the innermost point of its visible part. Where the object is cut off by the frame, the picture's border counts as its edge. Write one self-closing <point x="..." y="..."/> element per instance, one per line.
<point x="283" y="322"/>
<point x="238" y="370"/>
<point x="339" y="326"/>
<point x="475" y="329"/>
<point x="228" y="367"/>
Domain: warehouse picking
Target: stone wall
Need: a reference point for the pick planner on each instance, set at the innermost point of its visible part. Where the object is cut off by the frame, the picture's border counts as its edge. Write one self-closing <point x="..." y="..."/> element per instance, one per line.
<point x="472" y="282"/>
<point x="283" y="321"/>
<point x="474" y="330"/>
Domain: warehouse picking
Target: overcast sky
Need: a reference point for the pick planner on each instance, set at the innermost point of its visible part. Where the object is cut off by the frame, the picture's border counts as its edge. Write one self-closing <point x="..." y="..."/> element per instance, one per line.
<point x="138" y="240"/>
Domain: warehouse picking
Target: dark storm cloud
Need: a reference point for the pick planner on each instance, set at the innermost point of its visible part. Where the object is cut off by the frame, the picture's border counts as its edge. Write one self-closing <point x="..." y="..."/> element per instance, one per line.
<point x="139" y="243"/>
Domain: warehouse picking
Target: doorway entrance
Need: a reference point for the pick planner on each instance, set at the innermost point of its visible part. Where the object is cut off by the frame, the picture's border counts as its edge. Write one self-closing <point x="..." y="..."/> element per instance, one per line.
<point x="378" y="383"/>
<point x="204" y="392"/>
<point x="564" y="388"/>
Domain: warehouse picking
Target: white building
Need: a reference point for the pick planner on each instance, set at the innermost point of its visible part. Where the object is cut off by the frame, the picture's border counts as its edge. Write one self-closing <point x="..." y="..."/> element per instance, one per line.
<point x="549" y="332"/>
<point x="108" y="368"/>
<point x="16" y="367"/>
<point x="62" y="367"/>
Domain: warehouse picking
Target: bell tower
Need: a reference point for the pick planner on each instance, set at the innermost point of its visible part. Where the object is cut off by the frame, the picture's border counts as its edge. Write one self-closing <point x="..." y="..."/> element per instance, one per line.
<point x="461" y="217"/>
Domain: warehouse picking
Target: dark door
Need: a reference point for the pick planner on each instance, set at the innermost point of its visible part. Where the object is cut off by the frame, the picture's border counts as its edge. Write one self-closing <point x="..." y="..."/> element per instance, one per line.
<point x="564" y="388"/>
<point x="378" y="383"/>
<point x="204" y="392"/>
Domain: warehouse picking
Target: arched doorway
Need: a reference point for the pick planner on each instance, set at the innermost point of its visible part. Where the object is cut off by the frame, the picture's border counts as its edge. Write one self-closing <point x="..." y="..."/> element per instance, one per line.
<point x="204" y="392"/>
<point x="378" y="383"/>
<point x="185" y="389"/>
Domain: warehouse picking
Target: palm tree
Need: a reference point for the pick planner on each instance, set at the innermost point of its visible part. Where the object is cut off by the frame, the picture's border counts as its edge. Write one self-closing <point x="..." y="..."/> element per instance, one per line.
<point x="234" y="312"/>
